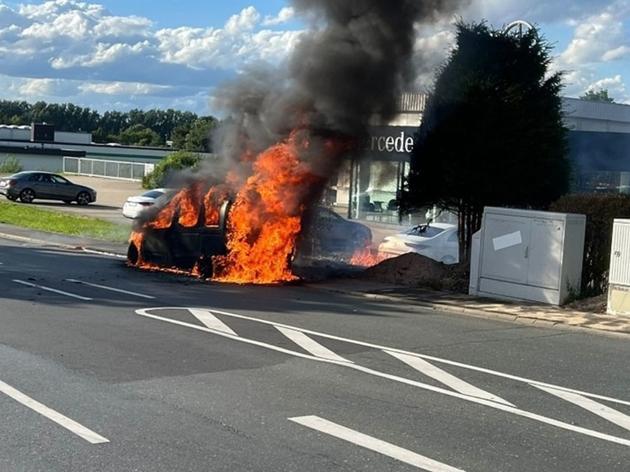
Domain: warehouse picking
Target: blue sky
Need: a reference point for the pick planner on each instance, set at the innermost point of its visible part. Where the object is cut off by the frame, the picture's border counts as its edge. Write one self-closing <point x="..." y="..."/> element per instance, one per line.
<point x="117" y="54"/>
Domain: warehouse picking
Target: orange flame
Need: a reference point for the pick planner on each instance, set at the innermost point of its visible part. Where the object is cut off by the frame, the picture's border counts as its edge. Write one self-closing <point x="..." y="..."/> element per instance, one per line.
<point x="366" y="257"/>
<point x="266" y="218"/>
<point x="212" y="203"/>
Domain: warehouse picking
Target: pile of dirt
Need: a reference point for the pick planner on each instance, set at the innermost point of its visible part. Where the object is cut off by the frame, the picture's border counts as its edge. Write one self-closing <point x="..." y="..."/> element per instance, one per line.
<point x="414" y="270"/>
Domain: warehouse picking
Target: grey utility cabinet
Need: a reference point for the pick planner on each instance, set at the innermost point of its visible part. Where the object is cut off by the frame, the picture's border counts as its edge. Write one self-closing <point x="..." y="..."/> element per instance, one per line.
<point x="528" y="255"/>
<point x="619" y="276"/>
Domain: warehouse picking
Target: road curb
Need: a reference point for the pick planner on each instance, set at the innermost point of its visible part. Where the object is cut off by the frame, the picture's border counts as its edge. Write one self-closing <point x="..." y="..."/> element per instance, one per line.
<point x="91" y="250"/>
<point x="450" y="308"/>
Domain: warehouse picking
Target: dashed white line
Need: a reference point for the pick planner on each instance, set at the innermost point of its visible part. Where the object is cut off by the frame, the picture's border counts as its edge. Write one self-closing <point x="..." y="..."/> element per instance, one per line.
<point x="111" y="289"/>
<point x="310" y="345"/>
<point x="71" y="425"/>
<point x="211" y="321"/>
<point x="53" y="290"/>
<point x="594" y="407"/>
<point x="447" y="379"/>
<point x="377" y="445"/>
<point x="480" y="401"/>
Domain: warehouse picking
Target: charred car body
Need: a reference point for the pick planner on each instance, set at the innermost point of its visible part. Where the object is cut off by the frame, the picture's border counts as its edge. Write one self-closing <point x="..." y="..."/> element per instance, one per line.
<point x="191" y="246"/>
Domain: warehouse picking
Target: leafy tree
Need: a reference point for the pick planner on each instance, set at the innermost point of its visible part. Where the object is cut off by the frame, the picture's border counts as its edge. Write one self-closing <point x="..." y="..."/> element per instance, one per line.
<point x="597" y="96"/>
<point x="178" y="137"/>
<point x="168" y="167"/>
<point x="199" y="138"/>
<point x="492" y="133"/>
<point x="139" y="135"/>
<point x="104" y="128"/>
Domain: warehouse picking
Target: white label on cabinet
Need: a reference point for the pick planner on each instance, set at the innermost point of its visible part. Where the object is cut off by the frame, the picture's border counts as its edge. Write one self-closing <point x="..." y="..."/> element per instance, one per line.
<point x="507" y="240"/>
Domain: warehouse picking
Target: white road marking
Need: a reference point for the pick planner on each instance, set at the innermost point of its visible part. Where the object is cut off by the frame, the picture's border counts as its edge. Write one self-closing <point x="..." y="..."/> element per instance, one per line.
<point x="211" y="321"/>
<point x="53" y="290"/>
<point x="71" y="425"/>
<point x="373" y="444"/>
<point x="480" y="401"/>
<point x="423" y="356"/>
<point x="111" y="289"/>
<point x="594" y="407"/>
<point x="103" y="253"/>
<point x="310" y="345"/>
<point x="447" y="379"/>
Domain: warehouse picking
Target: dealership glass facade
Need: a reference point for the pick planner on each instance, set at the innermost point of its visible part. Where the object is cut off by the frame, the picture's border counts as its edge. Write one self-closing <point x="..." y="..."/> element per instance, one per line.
<point x="368" y="184"/>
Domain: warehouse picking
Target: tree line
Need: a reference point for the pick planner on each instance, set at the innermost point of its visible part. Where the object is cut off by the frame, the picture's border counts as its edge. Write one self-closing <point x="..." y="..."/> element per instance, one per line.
<point x="154" y="127"/>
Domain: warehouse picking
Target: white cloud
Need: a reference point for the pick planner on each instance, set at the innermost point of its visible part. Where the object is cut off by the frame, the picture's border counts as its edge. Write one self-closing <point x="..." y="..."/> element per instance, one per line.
<point x="123" y="88"/>
<point x="231" y="47"/>
<point x="598" y="38"/>
<point x="37" y="87"/>
<point x="246" y="20"/>
<point x="285" y="15"/>
<point x="102" y="54"/>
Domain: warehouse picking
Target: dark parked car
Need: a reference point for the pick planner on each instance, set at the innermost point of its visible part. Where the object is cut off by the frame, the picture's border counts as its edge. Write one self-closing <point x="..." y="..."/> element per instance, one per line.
<point x="28" y="186"/>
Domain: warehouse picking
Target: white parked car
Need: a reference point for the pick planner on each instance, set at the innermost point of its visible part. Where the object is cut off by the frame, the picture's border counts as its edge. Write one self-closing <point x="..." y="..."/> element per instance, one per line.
<point x="136" y="205"/>
<point x="437" y="241"/>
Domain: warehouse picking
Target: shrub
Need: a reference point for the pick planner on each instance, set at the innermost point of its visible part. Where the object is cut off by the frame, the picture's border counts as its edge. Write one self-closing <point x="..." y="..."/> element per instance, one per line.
<point x="10" y="165"/>
<point x="168" y="167"/>
<point x="600" y="211"/>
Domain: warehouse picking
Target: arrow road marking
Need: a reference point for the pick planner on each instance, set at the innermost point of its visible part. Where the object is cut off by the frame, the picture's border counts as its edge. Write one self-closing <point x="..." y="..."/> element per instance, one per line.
<point x="111" y="289"/>
<point x="71" y="425"/>
<point x="480" y="401"/>
<point x="211" y="321"/>
<point x="310" y="345"/>
<point x="53" y="290"/>
<point x="373" y="444"/>
<point x="447" y="379"/>
<point x="594" y="407"/>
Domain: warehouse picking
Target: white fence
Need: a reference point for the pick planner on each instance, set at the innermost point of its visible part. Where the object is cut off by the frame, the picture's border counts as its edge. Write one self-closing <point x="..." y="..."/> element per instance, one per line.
<point x="109" y="169"/>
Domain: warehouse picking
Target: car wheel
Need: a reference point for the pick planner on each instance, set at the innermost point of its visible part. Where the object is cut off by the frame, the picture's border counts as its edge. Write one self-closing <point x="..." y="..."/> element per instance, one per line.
<point x="205" y="267"/>
<point x="83" y="198"/>
<point x="27" y="196"/>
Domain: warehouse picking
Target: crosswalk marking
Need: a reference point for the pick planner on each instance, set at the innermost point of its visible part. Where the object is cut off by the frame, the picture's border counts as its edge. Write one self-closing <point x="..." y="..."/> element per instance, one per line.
<point x="149" y="313"/>
<point x="111" y="289"/>
<point x="53" y="290"/>
<point x="71" y="425"/>
<point x="594" y="407"/>
<point x="211" y="321"/>
<point x="310" y="345"/>
<point x="447" y="379"/>
<point x="373" y="444"/>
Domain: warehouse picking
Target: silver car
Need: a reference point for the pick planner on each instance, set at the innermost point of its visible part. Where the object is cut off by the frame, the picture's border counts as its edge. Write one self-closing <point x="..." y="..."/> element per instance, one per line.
<point x="31" y="185"/>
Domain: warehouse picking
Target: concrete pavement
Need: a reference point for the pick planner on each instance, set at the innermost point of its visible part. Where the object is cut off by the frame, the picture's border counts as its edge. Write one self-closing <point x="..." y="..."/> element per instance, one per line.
<point x="221" y="377"/>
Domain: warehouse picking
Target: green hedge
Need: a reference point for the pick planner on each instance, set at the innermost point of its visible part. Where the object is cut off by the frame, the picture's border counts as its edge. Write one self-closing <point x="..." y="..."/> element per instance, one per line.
<point x="168" y="167"/>
<point x="600" y="211"/>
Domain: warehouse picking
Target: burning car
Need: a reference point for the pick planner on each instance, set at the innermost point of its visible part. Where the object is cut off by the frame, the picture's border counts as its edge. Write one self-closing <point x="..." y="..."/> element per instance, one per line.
<point x="190" y="234"/>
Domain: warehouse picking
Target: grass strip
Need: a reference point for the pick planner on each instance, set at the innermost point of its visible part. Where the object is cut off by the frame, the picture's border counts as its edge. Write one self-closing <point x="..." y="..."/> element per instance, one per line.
<point x="31" y="217"/>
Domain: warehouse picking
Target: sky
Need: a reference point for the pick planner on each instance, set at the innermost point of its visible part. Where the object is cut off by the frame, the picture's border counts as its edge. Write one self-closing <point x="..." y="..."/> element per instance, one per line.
<point x="123" y="54"/>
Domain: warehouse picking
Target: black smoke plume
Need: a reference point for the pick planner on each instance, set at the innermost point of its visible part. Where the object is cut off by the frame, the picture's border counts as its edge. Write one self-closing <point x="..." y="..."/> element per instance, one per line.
<point x="348" y="68"/>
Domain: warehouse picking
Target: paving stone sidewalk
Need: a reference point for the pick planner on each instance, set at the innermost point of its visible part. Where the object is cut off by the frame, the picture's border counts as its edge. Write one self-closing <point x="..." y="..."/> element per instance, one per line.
<point x="531" y="313"/>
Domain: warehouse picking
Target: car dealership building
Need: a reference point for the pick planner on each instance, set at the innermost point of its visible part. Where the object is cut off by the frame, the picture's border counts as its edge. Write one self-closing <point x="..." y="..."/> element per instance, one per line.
<point x="599" y="148"/>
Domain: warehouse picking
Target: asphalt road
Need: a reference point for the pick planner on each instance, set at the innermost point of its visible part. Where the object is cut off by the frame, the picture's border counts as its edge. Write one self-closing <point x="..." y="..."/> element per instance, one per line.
<point x="104" y="368"/>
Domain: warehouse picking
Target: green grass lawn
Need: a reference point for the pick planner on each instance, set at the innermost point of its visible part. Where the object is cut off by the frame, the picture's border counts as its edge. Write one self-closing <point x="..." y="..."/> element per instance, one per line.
<point x="26" y="216"/>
